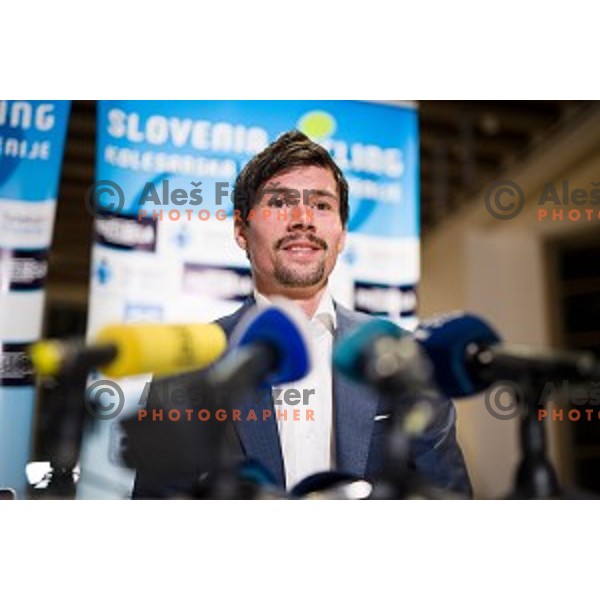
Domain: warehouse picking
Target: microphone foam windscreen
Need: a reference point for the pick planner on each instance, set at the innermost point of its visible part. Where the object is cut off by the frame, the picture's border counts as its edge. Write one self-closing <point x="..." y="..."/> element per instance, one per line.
<point x="279" y="326"/>
<point x="348" y="355"/>
<point x="445" y="339"/>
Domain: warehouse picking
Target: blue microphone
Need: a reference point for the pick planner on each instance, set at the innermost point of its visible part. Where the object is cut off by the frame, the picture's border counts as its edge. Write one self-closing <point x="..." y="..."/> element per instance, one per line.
<point x="269" y="347"/>
<point x="468" y="356"/>
<point x="448" y="341"/>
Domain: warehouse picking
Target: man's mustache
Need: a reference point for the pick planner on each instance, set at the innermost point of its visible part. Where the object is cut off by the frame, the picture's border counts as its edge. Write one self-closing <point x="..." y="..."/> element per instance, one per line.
<point x="313" y="239"/>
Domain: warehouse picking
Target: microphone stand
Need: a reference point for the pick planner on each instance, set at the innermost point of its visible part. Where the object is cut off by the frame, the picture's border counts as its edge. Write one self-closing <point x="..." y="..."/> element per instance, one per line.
<point x="69" y="418"/>
<point x="535" y="478"/>
<point x="394" y="482"/>
<point x="234" y="377"/>
<point x="401" y="372"/>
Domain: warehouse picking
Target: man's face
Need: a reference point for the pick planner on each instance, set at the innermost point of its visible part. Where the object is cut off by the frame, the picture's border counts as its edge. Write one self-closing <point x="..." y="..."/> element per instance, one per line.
<point x="294" y="253"/>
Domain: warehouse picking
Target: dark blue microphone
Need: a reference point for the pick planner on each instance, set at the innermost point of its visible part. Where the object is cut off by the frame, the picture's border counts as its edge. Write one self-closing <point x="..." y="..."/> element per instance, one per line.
<point x="468" y="356"/>
<point x="449" y="341"/>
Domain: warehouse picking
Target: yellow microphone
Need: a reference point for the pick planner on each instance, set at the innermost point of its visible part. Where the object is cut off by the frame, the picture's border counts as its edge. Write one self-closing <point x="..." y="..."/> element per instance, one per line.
<point x="126" y="350"/>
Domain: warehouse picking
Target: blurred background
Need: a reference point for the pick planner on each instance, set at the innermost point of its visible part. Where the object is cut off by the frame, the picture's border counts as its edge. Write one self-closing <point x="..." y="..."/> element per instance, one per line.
<point x="536" y="280"/>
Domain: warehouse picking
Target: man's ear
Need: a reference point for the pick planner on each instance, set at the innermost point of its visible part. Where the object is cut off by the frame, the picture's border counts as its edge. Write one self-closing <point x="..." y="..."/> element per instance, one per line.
<point x="239" y="232"/>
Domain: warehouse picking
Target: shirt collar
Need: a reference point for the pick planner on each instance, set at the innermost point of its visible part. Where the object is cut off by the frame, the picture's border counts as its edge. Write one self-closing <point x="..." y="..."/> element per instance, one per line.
<point x="325" y="313"/>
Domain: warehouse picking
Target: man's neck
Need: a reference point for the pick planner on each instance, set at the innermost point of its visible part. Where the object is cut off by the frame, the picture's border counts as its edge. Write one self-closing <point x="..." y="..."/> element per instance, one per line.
<point x="307" y="300"/>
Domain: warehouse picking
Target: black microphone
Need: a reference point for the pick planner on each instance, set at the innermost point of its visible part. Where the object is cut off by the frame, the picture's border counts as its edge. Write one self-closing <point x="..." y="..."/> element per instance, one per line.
<point x="331" y="485"/>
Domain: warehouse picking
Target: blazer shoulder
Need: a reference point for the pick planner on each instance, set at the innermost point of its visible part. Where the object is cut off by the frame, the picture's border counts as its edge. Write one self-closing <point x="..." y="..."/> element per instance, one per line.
<point x="352" y="316"/>
<point x="350" y="319"/>
<point x="228" y="322"/>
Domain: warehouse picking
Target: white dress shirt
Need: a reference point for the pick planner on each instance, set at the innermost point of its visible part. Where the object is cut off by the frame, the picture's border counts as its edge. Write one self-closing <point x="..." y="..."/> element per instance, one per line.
<point x="307" y="443"/>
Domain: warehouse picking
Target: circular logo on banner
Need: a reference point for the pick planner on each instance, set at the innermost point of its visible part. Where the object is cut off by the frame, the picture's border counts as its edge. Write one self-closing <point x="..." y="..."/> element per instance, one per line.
<point x="317" y="124"/>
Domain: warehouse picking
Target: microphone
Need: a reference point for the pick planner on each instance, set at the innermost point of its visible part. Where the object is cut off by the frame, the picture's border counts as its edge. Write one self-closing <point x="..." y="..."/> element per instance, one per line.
<point x="269" y="347"/>
<point x="384" y="355"/>
<point x="352" y="356"/>
<point x="468" y="356"/>
<point x="125" y="350"/>
<point x="331" y="485"/>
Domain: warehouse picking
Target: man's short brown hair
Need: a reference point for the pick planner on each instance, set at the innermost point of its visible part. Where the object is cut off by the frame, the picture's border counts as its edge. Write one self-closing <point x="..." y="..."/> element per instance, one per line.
<point x="290" y="150"/>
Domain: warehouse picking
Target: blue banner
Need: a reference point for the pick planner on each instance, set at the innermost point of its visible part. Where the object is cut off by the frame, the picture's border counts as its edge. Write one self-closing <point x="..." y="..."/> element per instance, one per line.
<point x="376" y="146"/>
<point x="32" y="136"/>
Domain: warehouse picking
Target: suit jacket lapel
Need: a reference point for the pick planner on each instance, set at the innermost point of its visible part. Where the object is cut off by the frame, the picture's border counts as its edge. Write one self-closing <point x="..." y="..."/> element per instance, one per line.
<point x="259" y="439"/>
<point x="355" y="410"/>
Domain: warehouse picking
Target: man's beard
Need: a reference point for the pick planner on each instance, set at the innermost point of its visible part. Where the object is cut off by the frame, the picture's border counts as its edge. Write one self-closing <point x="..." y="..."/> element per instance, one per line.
<point x="291" y="278"/>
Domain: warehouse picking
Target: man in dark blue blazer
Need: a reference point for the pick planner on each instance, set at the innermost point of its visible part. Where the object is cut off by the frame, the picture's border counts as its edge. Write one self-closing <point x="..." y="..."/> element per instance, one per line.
<point x="291" y="212"/>
<point x="360" y="426"/>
